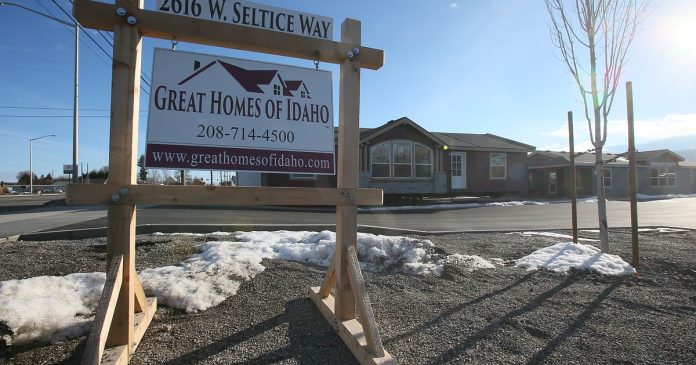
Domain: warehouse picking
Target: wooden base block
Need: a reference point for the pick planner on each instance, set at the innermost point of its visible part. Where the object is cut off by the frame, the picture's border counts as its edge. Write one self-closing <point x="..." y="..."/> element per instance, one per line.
<point x="119" y="355"/>
<point x="351" y="331"/>
<point x="115" y="355"/>
<point x="142" y="321"/>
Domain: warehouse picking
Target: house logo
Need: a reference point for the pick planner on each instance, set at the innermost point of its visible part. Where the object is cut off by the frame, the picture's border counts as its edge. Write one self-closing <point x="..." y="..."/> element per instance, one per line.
<point x="256" y="81"/>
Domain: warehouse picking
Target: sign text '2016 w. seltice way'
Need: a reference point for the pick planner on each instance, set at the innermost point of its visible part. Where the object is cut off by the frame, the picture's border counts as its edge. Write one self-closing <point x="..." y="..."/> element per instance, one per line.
<point x="253" y="15"/>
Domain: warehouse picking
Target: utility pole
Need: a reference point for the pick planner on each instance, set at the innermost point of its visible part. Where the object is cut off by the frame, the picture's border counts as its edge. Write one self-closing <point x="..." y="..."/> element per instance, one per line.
<point x="573" y="188"/>
<point x="76" y="80"/>
<point x="632" y="183"/>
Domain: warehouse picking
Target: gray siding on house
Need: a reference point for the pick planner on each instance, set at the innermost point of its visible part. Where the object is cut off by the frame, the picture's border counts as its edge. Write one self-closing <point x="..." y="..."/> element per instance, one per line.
<point x="478" y="173"/>
<point x="686" y="180"/>
<point x="619" y="182"/>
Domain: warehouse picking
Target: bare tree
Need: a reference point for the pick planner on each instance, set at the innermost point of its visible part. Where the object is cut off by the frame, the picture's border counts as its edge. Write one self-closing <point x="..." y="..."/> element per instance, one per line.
<point x="598" y="32"/>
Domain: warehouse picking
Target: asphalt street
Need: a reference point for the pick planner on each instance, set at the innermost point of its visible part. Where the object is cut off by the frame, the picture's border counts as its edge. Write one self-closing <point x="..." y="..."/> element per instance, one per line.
<point x="670" y="212"/>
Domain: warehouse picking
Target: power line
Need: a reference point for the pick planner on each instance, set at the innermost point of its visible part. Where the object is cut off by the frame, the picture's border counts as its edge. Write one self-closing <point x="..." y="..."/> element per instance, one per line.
<point x="143" y="75"/>
<point x="97" y="43"/>
<point x="55" y="108"/>
<point x="50" y="108"/>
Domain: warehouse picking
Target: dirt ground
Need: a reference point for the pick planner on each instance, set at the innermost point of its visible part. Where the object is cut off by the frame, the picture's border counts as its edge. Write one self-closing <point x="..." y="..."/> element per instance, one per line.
<point x="494" y="316"/>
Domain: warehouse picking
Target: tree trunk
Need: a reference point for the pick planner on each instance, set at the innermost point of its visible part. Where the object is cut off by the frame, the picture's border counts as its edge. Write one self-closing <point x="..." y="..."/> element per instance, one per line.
<point x="601" y="201"/>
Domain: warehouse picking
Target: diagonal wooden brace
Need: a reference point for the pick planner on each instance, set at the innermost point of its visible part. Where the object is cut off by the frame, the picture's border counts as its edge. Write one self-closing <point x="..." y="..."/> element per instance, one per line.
<point x="329" y="279"/>
<point x="367" y="317"/>
<point x="105" y="312"/>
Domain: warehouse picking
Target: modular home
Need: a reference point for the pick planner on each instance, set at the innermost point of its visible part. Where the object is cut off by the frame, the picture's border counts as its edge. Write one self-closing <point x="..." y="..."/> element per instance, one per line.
<point x="402" y="158"/>
<point x="659" y="172"/>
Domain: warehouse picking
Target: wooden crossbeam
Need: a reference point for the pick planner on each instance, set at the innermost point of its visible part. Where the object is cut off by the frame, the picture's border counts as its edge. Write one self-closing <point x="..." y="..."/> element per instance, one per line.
<point x="219" y="195"/>
<point x="161" y="25"/>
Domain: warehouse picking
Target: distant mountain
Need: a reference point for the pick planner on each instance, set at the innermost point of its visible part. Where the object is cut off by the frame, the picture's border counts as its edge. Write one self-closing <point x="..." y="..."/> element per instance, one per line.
<point x="675" y="144"/>
<point x="689" y="155"/>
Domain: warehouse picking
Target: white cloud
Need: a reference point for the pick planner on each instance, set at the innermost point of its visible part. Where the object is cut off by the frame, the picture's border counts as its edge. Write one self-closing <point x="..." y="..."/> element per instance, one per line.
<point x="646" y="130"/>
<point x="454" y="6"/>
<point x="669" y="126"/>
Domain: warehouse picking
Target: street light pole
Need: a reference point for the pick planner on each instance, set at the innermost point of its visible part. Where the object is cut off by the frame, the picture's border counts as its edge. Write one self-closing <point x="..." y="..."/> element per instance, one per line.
<point x="76" y="81"/>
<point x="31" y="171"/>
<point x="75" y="91"/>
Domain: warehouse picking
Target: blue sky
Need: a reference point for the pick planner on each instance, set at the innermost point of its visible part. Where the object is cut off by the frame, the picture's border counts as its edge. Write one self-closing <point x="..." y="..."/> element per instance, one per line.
<point x="478" y="66"/>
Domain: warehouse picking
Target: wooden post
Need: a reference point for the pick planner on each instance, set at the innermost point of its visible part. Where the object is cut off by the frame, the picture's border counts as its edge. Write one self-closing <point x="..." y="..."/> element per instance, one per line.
<point x="632" y="182"/>
<point x="124" y="293"/>
<point x="573" y="187"/>
<point x="348" y="136"/>
<point x="125" y="98"/>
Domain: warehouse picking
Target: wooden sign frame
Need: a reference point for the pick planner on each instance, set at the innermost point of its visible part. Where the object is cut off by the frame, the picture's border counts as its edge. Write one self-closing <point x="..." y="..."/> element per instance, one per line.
<point x="124" y="312"/>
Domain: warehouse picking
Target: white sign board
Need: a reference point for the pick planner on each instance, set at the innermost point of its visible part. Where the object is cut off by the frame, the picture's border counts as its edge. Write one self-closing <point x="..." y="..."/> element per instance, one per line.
<point x="216" y="113"/>
<point x="67" y="169"/>
<point x="253" y="15"/>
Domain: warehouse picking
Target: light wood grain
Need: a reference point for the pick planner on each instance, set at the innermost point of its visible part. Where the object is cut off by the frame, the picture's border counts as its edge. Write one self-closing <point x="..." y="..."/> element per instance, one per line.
<point x="79" y="194"/>
<point x="104" y="314"/>
<point x="155" y="24"/>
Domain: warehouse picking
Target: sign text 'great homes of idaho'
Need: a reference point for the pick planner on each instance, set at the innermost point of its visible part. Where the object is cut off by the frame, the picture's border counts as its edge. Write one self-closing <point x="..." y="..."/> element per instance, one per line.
<point x="217" y="113"/>
<point x="253" y="15"/>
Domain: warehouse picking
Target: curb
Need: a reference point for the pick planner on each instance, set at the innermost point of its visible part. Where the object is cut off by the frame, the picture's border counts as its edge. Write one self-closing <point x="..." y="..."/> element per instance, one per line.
<point x="77" y="234"/>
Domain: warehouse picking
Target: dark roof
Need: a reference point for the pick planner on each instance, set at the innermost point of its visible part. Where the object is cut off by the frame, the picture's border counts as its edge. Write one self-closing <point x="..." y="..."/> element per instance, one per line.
<point x="562" y="158"/>
<point x="454" y="141"/>
<point x="649" y="155"/>
<point x="367" y="135"/>
<point x="487" y="141"/>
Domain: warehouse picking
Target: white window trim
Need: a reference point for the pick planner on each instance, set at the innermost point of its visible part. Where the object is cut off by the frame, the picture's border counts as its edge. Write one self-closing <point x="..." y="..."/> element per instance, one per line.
<point x="658" y="167"/>
<point x="490" y="166"/>
<point x="413" y="163"/>
<point x="416" y="164"/>
<point x="611" y="178"/>
<point x="372" y="148"/>
<point x="394" y="163"/>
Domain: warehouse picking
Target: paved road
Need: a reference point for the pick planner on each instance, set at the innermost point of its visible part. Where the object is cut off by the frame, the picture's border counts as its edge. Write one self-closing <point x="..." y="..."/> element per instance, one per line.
<point x="672" y="212"/>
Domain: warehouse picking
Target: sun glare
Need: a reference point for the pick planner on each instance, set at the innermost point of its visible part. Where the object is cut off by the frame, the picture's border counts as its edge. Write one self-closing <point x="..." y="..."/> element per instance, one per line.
<point x="679" y="34"/>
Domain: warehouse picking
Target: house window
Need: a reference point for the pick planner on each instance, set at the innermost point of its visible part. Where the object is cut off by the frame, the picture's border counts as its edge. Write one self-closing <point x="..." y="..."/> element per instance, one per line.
<point x="663" y="175"/>
<point x="456" y="164"/>
<point x="401" y="159"/>
<point x="380" y="158"/>
<point x="276" y="89"/>
<point x="303" y="177"/>
<point x="304" y="94"/>
<point x="402" y="153"/>
<point x="607" y="178"/>
<point x="423" y="160"/>
<point x="498" y="162"/>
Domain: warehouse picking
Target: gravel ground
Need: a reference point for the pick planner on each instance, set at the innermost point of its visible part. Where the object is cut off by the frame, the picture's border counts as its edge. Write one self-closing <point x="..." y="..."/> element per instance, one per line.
<point x="500" y="316"/>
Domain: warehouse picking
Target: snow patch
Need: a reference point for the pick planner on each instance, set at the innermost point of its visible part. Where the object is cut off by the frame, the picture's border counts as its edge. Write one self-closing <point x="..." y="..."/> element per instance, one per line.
<point x="662" y="230"/>
<point x="50" y="308"/>
<point x="565" y="256"/>
<point x="664" y="196"/>
<point x="552" y="234"/>
<point x="470" y="262"/>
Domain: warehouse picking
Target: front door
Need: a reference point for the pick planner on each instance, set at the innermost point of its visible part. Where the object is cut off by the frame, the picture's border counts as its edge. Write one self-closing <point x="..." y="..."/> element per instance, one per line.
<point x="553" y="183"/>
<point x="458" y="170"/>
